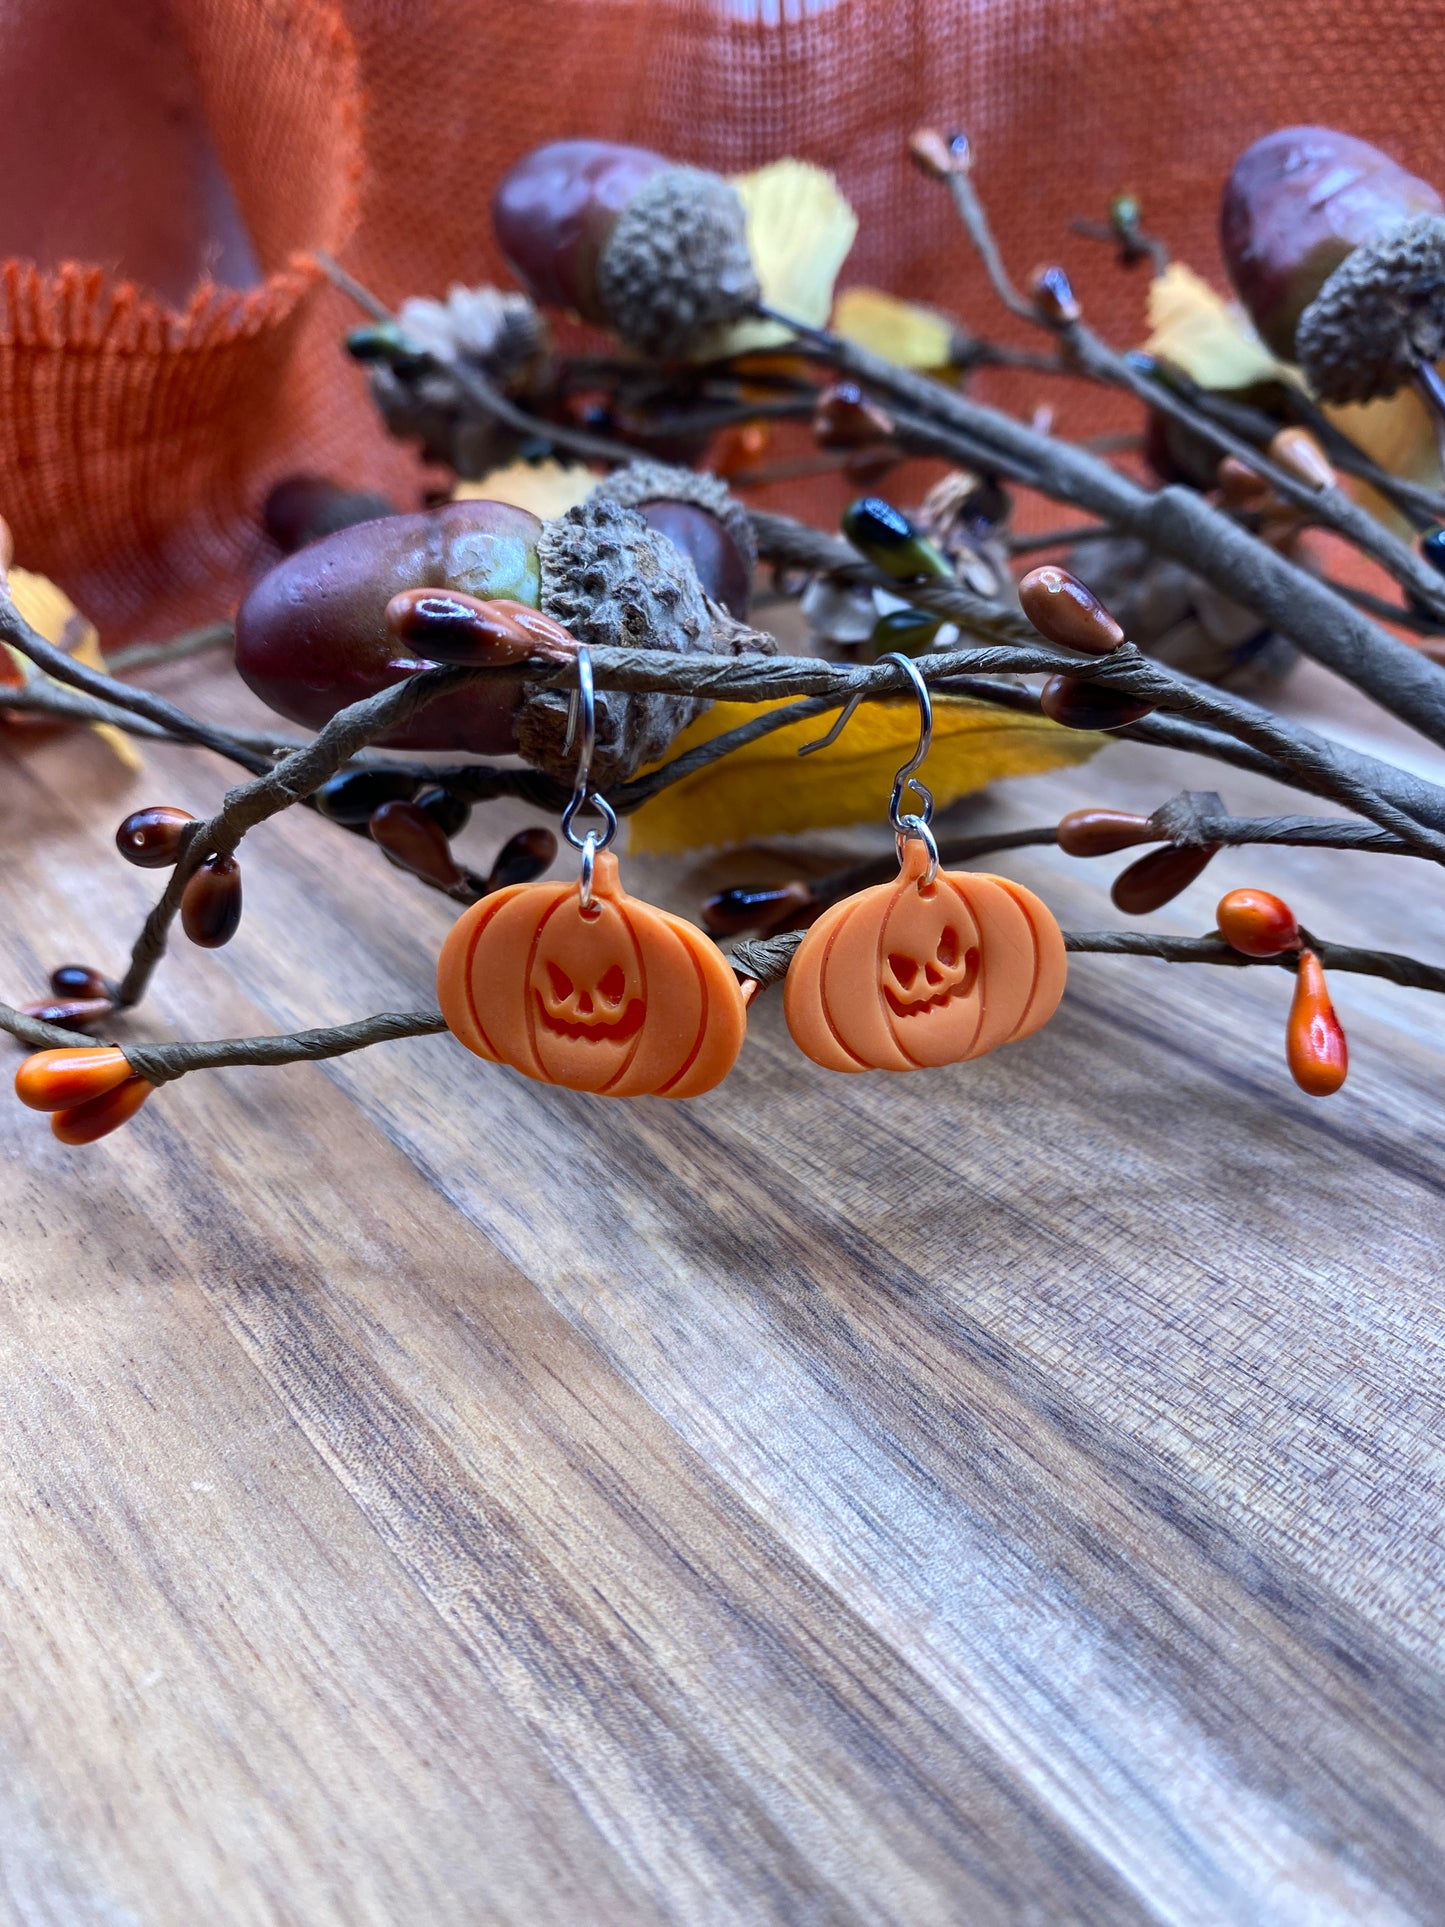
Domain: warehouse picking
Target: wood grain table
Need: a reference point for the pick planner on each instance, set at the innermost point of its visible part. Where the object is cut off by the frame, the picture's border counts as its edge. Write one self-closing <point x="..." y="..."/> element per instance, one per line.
<point x="1010" y="1493"/>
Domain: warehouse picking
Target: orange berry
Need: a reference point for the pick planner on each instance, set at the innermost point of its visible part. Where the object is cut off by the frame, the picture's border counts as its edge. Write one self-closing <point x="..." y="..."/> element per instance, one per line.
<point x="54" y="1080"/>
<point x="1256" y="923"/>
<point x="1314" y="1042"/>
<point x="84" y="1123"/>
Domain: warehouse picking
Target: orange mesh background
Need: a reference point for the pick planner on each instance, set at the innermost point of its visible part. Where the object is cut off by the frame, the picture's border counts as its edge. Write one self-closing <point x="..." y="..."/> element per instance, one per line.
<point x="233" y="135"/>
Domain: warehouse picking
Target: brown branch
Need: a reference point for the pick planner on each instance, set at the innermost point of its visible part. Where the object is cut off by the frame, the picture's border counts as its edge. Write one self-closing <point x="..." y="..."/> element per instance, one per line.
<point x="766" y="961"/>
<point x="155" y="655"/>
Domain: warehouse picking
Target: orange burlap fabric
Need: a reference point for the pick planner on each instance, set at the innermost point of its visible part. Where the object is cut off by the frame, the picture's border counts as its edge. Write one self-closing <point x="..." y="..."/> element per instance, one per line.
<point x="166" y="352"/>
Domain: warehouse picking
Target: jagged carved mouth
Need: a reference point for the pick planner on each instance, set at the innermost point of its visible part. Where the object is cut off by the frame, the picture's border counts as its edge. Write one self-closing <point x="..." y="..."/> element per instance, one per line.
<point x="595" y="1030"/>
<point x="962" y="986"/>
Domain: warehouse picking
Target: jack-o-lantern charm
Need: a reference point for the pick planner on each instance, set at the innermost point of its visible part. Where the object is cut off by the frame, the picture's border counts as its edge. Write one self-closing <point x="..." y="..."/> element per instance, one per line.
<point x="930" y="969"/>
<point x="582" y="985"/>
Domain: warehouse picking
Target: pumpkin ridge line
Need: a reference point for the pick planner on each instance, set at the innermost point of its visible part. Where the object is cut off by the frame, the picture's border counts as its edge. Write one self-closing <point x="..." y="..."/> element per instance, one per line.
<point x="618" y="899"/>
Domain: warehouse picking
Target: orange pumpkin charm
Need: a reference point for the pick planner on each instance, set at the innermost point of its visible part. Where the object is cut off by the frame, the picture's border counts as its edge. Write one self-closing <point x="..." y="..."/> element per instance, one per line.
<point x="627" y="1001"/>
<point x="916" y="973"/>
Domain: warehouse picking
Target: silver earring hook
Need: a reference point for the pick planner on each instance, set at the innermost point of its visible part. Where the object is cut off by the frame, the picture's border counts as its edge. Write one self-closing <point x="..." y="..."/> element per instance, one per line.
<point x="582" y="730"/>
<point x="906" y="823"/>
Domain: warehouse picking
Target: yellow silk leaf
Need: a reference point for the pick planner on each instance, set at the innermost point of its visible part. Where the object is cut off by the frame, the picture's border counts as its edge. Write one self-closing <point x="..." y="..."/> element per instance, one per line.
<point x="548" y="488"/>
<point x="1399" y="434"/>
<point x="902" y="332"/>
<point x="767" y="789"/>
<point x="50" y="610"/>
<point x="1200" y="332"/>
<point x="800" y="229"/>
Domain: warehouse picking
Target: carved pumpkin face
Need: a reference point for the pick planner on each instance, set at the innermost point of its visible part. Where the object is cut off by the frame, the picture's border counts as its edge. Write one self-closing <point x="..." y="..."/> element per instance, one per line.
<point x="627" y="1002"/>
<point x="907" y="975"/>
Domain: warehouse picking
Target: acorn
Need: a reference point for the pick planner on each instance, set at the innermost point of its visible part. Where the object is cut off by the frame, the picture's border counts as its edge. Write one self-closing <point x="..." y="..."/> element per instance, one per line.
<point x="303" y="508"/>
<point x="1297" y="203"/>
<point x="653" y="251"/>
<point x="153" y="838"/>
<point x="699" y="515"/>
<point x="312" y="635"/>
<point x="329" y="626"/>
<point x="1380" y="317"/>
<point x="211" y="903"/>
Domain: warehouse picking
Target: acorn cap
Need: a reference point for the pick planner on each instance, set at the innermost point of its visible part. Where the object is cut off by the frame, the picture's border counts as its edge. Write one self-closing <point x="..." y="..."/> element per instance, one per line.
<point x="616" y="584"/>
<point x="676" y="267"/>
<point x="643" y="482"/>
<point x="1380" y="314"/>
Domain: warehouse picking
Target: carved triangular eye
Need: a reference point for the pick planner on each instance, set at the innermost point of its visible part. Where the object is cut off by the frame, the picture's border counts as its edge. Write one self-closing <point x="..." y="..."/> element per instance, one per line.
<point x="904" y="969"/>
<point x="948" y="947"/>
<point x="613" y="986"/>
<point x="561" y="983"/>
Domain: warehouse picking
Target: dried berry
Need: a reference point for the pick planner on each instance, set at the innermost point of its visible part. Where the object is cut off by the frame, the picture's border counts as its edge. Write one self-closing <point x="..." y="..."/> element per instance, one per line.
<point x="788" y="906"/>
<point x="1154" y="880"/>
<point x="1296" y="450"/>
<point x="1078" y="704"/>
<point x="1315" y="1047"/>
<point x="1054" y="299"/>
<point x="1065" y="611"/>
<point x="1102" y="832"/>
<point x="905" y="632"/>
<point x="211" y="903"/>
<point x="890" y="541"/>
<point x="417" y="842"/>
<point x="1256" y="923"/>
<point x="71" y="1013"/>
<point x="446" y="809"/>
<point x="353" y="796"/>
<point x="152" y="838"/>
<point x="522" y="858"/>
<point x="846" y="418"/>
<point x="78" y="980"/>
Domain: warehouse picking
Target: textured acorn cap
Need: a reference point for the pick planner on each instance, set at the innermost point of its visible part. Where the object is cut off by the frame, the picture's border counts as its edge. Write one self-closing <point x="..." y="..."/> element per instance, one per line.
<point x="1379" y="315"/>
<point x="616" y="584"/>
<point x="662" y="482"/>
<point x="676" y="267"/>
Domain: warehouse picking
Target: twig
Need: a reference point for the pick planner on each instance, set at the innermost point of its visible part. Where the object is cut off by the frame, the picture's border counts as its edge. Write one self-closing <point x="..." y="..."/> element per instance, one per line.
<point x="766" y="960"/>
<point x="153" y="655"/>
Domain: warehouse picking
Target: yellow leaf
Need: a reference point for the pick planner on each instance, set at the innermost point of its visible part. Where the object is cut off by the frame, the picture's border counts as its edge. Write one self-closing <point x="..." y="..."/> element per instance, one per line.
<point x="767" y="789"/>
<point x="902" y="332"/>
<point x="546" y="488"/>
<point x="50" y="610"/>
<point x="1399" y="434"/>
<point x="800" y="229"/>
<point x="1199" y="332"/>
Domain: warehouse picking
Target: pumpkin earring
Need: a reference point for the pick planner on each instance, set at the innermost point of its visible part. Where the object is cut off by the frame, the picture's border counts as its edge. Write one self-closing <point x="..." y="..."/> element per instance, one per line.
<point x="582" y="985"/>
<point x="935" y="968"/>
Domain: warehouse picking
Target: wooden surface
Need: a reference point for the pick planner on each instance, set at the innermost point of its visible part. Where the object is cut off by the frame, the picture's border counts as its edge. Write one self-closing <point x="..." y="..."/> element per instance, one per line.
<point x="1011" y="1493"/>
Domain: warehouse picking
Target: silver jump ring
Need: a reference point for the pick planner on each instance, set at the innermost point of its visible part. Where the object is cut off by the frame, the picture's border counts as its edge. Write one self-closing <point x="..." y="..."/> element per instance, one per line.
<point x="915" y="829"/>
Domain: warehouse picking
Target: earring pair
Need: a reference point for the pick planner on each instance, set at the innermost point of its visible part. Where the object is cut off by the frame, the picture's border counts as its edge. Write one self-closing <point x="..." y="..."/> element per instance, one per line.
<point x="585" y="986"/>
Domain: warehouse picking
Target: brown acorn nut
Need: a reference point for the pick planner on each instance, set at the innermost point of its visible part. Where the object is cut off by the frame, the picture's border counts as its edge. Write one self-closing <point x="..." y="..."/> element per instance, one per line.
<point x="312" y="636"/>
<point x="1297" y="202"/>
<point x="211" y="903"/>
<point x="303" y="508"/>
<point x="152" y="838"/>
<point x="652" y="250"/>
